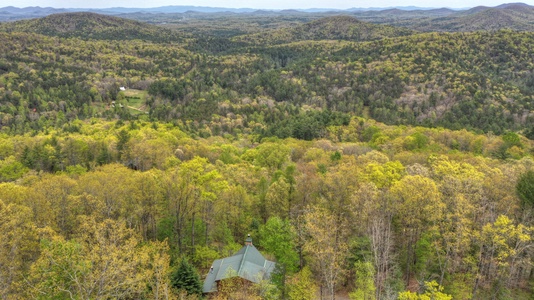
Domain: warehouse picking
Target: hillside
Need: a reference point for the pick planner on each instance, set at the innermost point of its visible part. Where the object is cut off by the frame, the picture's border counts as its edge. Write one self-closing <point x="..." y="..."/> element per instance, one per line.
<point x="516" y="17"/>
<point x="402" y="17"/>
<point x="91" y="26"/>
<point x="479" y="81"/>
<point x="510" y="16"/>
<point x="329" y="28"/>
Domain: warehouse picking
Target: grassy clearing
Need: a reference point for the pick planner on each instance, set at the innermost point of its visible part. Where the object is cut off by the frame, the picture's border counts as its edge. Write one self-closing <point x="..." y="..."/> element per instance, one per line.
<point x="135" y="98"/>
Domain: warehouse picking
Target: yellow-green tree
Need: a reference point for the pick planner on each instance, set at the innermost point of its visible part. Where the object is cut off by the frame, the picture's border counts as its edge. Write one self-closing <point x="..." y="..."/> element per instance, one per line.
<point x="301" y="286"/>
<point x="502" y="252"/>
<point x="326" y="248"/>
<point x="19" y="247"/>
<point x="365" y="288"/>
<point x="433" y="291"/>
<point x="105" y="260"/>
<point x="419" y="208"/>
<point x="190" y="190"/>
<point x="277" y="201"/>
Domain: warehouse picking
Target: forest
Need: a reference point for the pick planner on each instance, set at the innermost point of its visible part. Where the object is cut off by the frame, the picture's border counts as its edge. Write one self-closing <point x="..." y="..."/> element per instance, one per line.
<point x="373" y="162"/>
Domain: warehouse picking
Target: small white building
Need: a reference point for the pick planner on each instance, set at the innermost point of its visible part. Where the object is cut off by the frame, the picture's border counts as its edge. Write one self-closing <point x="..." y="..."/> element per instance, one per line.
<point x="122" y="88"/>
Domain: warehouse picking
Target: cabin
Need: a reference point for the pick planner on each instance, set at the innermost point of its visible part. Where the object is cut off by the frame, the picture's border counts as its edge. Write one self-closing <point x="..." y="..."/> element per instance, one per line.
<point x="247" y="263"/>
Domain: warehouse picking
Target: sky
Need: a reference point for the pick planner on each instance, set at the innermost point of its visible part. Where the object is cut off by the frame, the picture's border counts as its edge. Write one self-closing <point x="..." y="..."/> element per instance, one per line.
<point x="257" y="4"/>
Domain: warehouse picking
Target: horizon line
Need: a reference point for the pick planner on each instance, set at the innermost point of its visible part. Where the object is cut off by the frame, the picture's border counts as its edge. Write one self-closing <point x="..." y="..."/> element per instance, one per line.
<point x="415" y="7"/>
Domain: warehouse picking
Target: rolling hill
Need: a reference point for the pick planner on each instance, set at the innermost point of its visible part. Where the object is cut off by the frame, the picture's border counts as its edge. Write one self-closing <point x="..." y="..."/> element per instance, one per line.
<point x="329" y="28"/>
<point x="91" y="26"/>
<point x="515" y="16"/>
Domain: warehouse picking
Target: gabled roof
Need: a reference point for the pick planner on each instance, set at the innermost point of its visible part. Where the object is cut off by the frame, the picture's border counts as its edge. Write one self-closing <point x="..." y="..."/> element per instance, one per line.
<point x="247" y="263"/>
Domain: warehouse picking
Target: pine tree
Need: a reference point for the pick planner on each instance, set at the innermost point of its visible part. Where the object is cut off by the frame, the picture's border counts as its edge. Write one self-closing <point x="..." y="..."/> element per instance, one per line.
<point x="525" y="188"/>
<point x="186" y="278"/>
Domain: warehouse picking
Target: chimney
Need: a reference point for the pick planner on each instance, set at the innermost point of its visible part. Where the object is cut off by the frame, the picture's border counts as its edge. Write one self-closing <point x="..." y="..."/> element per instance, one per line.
<point x="248" y="241"/>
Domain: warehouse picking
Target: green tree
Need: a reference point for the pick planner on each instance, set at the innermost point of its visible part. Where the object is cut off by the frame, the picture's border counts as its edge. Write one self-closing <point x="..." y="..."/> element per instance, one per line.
<point x="11" y="169"/>
<point x="186" y="278"/>
<point x="525" y="188"/>
<point x="365" y="282"/>
<point x="277" y="238"/>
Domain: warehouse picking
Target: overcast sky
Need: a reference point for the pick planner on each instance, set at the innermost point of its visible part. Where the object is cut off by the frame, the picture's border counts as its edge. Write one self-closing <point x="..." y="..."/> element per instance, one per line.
<point x="265" y="4"/>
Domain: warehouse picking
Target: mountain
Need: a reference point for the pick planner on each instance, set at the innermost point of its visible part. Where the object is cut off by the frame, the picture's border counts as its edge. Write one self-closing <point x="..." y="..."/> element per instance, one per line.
<point x="399" y="17"/>
<point x="91" y="26"/>
<point x="474" y="10"/>
<point x="329" y="28"/>
<point x="176" y="9"/>
<point x="11" y="13"/>
<point x="513" y="5"/>
<point x="515" y="16"/>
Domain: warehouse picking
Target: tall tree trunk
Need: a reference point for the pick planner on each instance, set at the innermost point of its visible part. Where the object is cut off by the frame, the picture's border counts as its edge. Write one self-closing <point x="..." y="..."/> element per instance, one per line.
<point x="193" y="234"/>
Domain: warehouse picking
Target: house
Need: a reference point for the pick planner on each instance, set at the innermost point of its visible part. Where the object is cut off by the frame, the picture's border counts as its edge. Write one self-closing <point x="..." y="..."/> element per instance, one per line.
<point x="247" y="263"/>
<point x="122" y="88"/>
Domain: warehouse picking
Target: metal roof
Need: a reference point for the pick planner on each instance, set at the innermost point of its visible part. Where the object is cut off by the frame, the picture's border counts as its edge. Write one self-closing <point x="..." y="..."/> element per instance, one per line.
<point x="247" y="263"/>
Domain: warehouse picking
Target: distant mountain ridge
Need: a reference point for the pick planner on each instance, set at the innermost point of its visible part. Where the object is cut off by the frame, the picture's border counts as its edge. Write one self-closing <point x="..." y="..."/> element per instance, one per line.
<point x="185" y="8"/>
<point x="11" y="13"/>
<point x="515" y="16"/>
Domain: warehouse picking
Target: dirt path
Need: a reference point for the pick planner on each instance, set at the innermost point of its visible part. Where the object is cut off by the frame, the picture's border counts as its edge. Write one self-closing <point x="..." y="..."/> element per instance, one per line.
<point x="135" y="108"/>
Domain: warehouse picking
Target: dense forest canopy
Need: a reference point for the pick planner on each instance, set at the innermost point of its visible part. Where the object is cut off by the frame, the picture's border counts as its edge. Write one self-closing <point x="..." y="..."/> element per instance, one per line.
<point x="372" y="162"/>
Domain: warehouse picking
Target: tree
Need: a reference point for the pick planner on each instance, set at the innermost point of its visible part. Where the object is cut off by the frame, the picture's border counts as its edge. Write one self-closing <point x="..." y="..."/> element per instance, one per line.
<point x="11" y="169"/>
<point x="326" y="249"/>
<point x="104" y="261"/>
<point x="433" y="291"/>
<point x="377" y="216"/>
<point x="419" y="208"/>
<point x="525" y="188"/>
<point x="501" y="256"/>
<point x="18" y="248"/>
<point x="189" y="191"/>
<point x="278" y="239"/>
<point x="159" y="271"/>
<point x="301" y="286"/>
<point x="61" y="270"/>
<point x="186" y="278"/>
<point x="365" y="282"/>
<point x="277" y="199"/>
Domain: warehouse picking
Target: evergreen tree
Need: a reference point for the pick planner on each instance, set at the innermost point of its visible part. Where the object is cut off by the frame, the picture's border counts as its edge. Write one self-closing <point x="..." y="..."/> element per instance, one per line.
<point x="186" y="278"/>
<point x="525" y="188"/>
